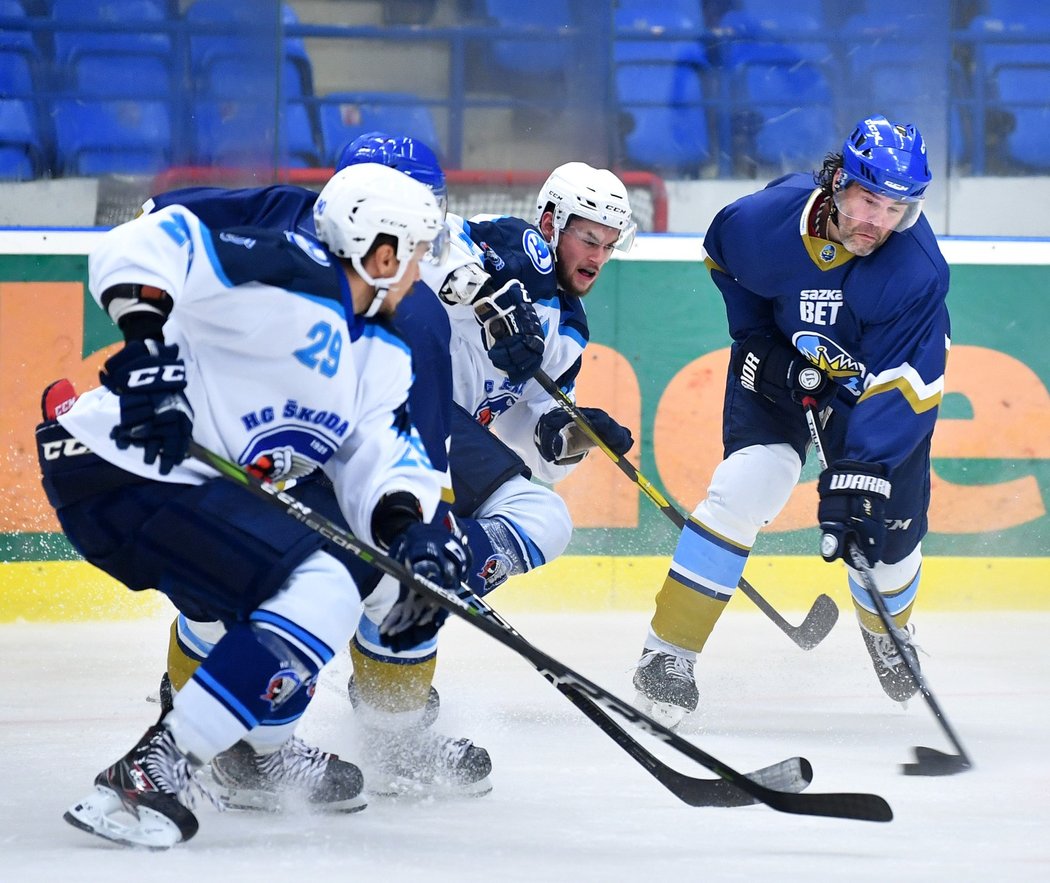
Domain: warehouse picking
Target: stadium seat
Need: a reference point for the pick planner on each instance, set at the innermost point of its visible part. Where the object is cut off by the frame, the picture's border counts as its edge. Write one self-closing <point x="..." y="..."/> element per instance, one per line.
<point x="345" y="115"/>
<point x="21" y="150"/>
<point x="134" y="16"/>
<point x="220" y="128"/>
<point x="296" y="59"/>
<point x="1022" y="89"/>
<point x="524" y="57"/>
<point x="772" y="31"/>
<point x="646" y="15"/>
<point x="659" y="88"/>
<point x="128" y="75"/>
<point x="784" y="115"/>
<point x="16" y="75"/>
<point x="119" y="137"/>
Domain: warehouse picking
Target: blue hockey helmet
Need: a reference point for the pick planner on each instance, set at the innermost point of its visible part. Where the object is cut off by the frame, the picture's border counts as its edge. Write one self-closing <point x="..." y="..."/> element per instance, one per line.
<point x="406" y="155"/>
<point x="888" y="159"/>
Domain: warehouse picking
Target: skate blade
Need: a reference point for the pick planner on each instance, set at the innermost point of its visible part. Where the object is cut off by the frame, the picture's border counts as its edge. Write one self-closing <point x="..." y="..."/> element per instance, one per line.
<point x="406" y="788"/>
<point x="248" y="800"/>
<point x="663" y="713"/>
<point x="103" y="814"/>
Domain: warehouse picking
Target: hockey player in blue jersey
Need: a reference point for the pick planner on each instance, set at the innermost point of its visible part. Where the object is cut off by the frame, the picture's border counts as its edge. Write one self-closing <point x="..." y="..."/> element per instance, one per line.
<point x="270" y="348"/>
<point x="835" y="291"/>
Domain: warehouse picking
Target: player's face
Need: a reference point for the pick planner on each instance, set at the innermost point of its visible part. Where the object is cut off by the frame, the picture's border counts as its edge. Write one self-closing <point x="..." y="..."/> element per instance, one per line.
<point x="399" y="290"/>
<point x="583" y="248"/>
<point x="866" y="219"/>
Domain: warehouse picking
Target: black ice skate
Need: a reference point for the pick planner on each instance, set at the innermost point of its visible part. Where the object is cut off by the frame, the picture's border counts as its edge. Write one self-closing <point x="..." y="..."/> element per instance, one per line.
<point x="145" y="798"/>
<point x="893" y="674"/>
<point x="666" y="685"/>
<point x="409" y="759"/>
<point x="264" y="781"/>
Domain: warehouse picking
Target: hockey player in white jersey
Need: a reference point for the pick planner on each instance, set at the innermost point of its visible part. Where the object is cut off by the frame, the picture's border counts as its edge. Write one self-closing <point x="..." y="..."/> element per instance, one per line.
<point x="524" y="284"/>
<point x="271" y="350"/>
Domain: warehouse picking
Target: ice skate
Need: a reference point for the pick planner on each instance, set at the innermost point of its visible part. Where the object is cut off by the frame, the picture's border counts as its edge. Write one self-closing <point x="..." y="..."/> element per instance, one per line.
<point x="145" y="799"/>
<point x="666" y="687"/>
<point x="422" y="763"/>
<point x="893" y="674"/>
<point x="409" y="759"/>
<point x="250" y="780"/>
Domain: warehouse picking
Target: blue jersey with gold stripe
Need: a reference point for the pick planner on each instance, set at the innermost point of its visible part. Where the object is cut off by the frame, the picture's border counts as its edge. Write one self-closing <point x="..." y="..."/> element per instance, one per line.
<point x="878" y="325"/>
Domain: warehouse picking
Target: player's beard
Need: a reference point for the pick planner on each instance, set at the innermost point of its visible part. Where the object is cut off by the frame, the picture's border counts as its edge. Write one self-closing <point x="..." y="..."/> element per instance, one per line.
<point x="854" y="236"/>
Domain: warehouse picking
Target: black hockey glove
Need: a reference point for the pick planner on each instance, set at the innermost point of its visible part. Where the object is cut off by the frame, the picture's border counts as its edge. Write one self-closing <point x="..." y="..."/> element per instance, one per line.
<point x="512" y="332"/>
<point x="155" y="414"/>
<point x="770" y="367"/>
<point x="436" y="553"/>
<point x="562" y="442"/>
<point x="852" y="509"/>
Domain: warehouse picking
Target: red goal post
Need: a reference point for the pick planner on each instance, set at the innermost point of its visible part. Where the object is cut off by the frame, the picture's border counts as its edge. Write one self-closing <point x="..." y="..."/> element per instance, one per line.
<point x="470" y="191"/>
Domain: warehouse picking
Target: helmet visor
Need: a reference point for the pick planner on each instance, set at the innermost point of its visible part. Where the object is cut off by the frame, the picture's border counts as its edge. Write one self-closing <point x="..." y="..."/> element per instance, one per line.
<point x="861" y="204"/>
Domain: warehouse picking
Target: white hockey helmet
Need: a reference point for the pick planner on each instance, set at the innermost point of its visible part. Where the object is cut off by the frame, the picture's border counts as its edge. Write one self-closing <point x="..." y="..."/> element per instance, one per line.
<point x="363" y="201"/>
<point x="579" y="190"/>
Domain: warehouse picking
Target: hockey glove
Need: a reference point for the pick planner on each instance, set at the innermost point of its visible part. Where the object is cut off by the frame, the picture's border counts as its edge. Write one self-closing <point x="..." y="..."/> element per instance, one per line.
<point x="771" y="368"/>
<point x="155" y="415"/>
<point x="438" y="554"/>
<point x="852" y="509"/>
<point x="561" y="441"/>
<point x="512" y="332"/>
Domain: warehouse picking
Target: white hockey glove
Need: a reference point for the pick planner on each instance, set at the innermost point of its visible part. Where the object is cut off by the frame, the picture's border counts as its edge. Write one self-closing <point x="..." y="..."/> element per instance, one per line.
<point x="463" y="284"/>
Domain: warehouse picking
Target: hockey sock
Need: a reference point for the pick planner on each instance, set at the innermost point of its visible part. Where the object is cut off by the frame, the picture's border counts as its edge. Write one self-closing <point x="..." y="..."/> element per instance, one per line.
<point x="392" y="686"/>
<point x="704" y="573"/>
<point x="252" y="676"/>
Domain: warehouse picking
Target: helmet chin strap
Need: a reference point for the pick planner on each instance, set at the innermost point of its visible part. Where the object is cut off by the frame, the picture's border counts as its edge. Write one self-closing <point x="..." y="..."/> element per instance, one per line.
<point x="380" y="286"/>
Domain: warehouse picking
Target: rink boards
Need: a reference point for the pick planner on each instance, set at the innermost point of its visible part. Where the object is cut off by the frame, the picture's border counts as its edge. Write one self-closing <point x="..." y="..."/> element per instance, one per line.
<point x="657" y="362"/>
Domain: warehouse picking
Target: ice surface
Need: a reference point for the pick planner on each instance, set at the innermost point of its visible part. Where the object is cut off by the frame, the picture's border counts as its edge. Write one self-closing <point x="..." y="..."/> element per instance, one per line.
<point x="567" y="803"/>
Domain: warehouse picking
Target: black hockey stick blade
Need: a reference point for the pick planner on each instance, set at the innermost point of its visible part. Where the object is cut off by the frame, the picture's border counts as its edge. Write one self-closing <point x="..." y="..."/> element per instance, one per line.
<point x="865" y="807"/>
<point x="793" y="774"/>
<point x="816" y="626"/>
<point x="821" y="617"/>
<point x="931" y="762"/>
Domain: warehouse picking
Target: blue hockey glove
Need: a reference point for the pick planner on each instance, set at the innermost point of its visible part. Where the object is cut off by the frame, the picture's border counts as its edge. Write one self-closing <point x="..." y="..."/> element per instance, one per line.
<point x="561" y="441"/>
<point x="771" y="368"/>
<point x="438" y="554"/>
<point x="155" y="414"/>
<point x="512" y="331"/>
<point x="852" y="509"/>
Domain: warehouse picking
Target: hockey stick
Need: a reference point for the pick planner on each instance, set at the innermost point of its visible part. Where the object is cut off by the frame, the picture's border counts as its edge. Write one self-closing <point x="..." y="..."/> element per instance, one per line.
<point x="928" y="761"/>
<point x="821" y="617"/>
<point x="580" y="690"/>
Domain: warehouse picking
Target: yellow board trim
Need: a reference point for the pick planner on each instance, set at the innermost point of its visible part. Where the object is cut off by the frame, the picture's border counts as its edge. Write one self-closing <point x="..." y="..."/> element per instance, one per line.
<point x="66" y="591"/>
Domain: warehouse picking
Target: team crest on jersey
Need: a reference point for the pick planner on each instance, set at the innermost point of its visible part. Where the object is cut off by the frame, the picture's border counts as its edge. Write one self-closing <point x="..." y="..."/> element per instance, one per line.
<point x="490" y="257"/>
<point x="495" y="571"/>
<point x="313" y="250"/>
<point x="832" y="359"/>
<point x="538" y="251"/>
<point x="828" y="253"/>
<point x="281" y="688"/>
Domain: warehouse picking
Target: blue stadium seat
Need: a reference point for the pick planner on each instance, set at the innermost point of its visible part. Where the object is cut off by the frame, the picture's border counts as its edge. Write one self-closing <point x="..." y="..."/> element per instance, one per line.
<point x="658" y="86"/>
<point x="1023" y="90"/>
<point x="242" y="133"/>
<point x="785" y="113"/>
<point x="16" y="75"/>
<point x="296" y="59"/>
<point x="21" y="149"/>
<point x="345" y="115"/>
<point x="647" y="15"/>
<point x="773" y="31"/>
<point x="134" y="16"/>
<point x="127" y="75"/>
<point x="524" y="57"/>
<point x="120" y="137"/>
